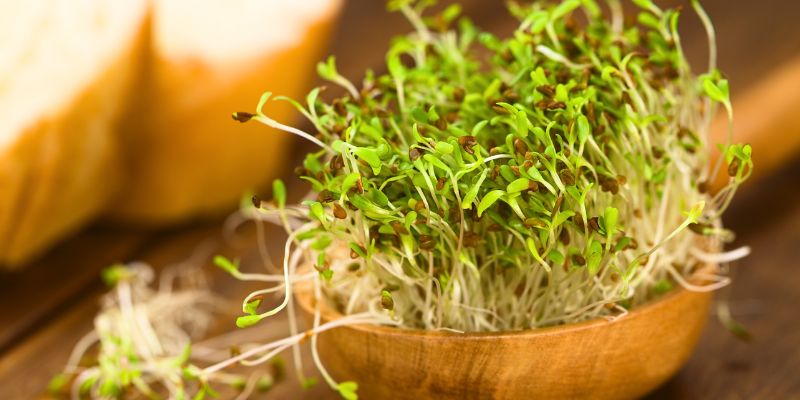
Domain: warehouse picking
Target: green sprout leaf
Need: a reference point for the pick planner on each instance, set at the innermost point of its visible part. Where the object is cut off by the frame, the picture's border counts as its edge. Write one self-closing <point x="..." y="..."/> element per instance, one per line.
<point x="371" y="157"/>
<point x="251" y="307"/>
<point x="348" y="390"/>
<point x="58" y="384"/>
<point x="594" y="257"/>
<point x="556" y="257"/>
<point x="279" y="192"/>
<point x="469" y="198"/>
<point x="231" y="267"/>
<point x="247" y="321"/>
<point x="488" y="200"/>
<point x="114" y="274"/>
<point x="309" y="383"/>
<point x="518" y="185"/>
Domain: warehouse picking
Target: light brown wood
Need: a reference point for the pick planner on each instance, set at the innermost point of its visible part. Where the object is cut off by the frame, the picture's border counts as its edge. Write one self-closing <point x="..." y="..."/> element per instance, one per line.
<point x="598" y="359"/>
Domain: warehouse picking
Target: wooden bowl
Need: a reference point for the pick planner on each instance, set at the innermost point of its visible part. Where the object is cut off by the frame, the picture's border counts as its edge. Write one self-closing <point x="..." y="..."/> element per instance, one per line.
<point x="597" y="359"/>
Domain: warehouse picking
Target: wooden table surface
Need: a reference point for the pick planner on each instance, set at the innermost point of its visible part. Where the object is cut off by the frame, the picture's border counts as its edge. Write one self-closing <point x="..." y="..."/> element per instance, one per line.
<point x="47" y="307"/>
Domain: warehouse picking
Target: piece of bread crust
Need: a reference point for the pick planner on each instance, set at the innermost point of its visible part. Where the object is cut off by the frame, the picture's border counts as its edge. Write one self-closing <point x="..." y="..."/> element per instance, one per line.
<point x="61" y="169"/>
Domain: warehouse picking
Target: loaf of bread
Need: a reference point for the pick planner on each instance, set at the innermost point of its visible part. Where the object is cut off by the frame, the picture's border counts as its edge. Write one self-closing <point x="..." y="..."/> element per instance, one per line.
<point x="187" y="158"/>
<point x="66" y="69"/>
<point x="122" y="108"/>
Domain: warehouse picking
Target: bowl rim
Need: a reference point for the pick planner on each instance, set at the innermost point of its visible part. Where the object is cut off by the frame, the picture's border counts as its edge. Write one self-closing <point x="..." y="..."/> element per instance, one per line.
<point x="302" y="294"/>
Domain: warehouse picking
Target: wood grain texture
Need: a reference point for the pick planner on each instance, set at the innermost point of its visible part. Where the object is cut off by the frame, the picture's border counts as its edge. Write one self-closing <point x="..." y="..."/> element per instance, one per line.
<point x="623" y="359"/>
<point x="54" y="283"/>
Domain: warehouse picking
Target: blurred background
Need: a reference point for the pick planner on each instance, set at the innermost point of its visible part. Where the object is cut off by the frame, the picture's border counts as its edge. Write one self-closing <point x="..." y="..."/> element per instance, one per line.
<point x="116" y="144"/>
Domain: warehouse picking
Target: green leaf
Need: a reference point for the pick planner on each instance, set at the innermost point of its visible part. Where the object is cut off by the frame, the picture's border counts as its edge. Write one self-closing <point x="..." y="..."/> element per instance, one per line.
<point x="435" y="162"/>
<point x="478" y="127"/>
<point x="371" y="157"/>
<point x="623" y="243"/>
<point x="262" y="101"/>
<point x="696" y="211"/>
<point x="506" y="173"/>
<point x="645" y="4"/>
<point x="532" y="247"/>
<point x="444" y="148"/>
<point x="358" y="250"/>
<point x="472" y="193"/>
<point x="349" y="181"/>
<point x="378" y="197"/>
<point x="87" y="384"/>
<point x="556" y="257"/>
<point x="348" y="390"/>
<point x="562" y="217"/>
<point x="539" y="77"/>
<point x="451" y="12"/>
<point x="279" y="193"/>
<point x="594" y="257"/>
<point x="564" y="8"/>
<point x="183" y="358"/>
<point x="518" y="185"/>
<point x="327" y="70"/>
<point x="317" y="211"/>
<point x="326" y="274"/>
<point x="396" y="67"/>
<point x="309" y="382"/>
<point x="248" y="320"/>
<point x="252" y="306"/>
<point x="58" y="383"/>
<point x="610" y="218"/>
<point x="114" y="274"/>
<point x="662" y="286"/>
<point x="231" y="267"/>
<point x="649" y="20"/>
<point x="717" y="91"/>
<point x="265" y="383"/>
<point x="584" y="130"/>
<point x="488" y="200"/>
<point x="311" y="162"/>
<point x="109" y="389"/>
<point x="321" y="243"/>
<point x="419" y="115"/>
<point x="409" y="219"/>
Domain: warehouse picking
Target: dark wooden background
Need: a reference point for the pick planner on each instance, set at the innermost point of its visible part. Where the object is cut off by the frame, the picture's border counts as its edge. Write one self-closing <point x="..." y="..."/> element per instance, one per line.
<point x="47" y="307"/>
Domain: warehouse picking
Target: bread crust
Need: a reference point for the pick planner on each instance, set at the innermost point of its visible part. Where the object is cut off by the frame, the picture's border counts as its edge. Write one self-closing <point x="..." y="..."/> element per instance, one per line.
<point x="63" y="170"/>
<point x="187" y="158"/>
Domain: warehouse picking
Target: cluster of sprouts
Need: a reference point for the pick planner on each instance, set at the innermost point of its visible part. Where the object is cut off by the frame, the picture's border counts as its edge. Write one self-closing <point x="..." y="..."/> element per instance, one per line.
<point x="142" y="341"/>
<point x="490" y="184"/>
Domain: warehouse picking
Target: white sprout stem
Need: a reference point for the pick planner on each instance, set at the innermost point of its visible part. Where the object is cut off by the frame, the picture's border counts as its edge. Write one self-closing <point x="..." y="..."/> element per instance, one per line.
<point x="344" y="321"/>
<point x="417" y="22"/>
<point x="721" y="258"/>
<point x="557" y="57"/>
<point x="315" y="335"/>
<point x="305" y="135"/>
<point x="712" y="36"/>
<point x="80" y="349"/>
<point x="343" y="82"/>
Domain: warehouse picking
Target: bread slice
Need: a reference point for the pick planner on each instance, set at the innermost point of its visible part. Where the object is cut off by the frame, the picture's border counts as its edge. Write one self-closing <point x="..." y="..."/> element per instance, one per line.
<point x="187" y="157"/>
<point x="65" y="69"/>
